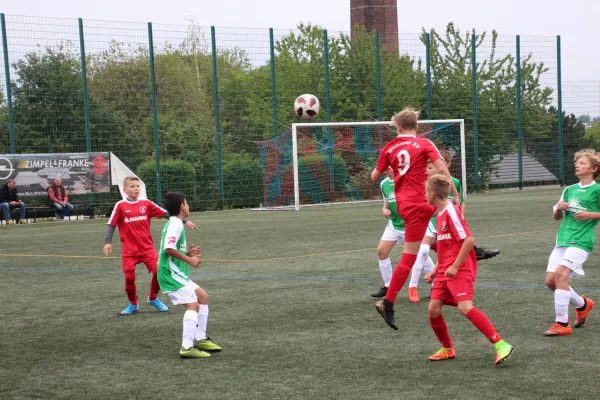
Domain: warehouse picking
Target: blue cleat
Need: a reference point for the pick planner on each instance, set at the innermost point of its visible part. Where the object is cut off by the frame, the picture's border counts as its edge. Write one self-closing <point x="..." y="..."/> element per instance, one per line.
<point x="159" y="305"/>
<point x="130" y="309"/>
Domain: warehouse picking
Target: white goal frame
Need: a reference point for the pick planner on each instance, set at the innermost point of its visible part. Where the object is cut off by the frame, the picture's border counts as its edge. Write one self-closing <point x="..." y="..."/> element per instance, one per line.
<point x="295" y="127"/>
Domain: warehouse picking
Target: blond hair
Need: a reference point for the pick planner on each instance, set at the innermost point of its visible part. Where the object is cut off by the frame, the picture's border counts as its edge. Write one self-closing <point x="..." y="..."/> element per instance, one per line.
<point x="129" y="179"/>
<point x="440" y="184"/>
<point x="406" y="119"/>
<point x="446" y="156"/>
<point x="592" y="156"/>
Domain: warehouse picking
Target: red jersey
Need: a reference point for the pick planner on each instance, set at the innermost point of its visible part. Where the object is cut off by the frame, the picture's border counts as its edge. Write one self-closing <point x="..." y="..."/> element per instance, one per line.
<point x="133" y="220"/>
<point x="452" y="231"/>
<point x="408" y="155"/>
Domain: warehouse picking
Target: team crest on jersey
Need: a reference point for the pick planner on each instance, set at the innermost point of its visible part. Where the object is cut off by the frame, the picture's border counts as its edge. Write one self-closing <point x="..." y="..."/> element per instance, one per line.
<point x="143" y="210"/>
<point x="575" y="207"/>
<point x="444" y="226"/>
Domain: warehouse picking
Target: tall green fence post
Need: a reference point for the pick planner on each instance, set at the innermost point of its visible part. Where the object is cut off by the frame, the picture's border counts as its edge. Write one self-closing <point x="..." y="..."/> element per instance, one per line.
<point x="428" y="72"/>
<point x="378" y="77"/>
<point x="273" y="84"/>
<point x="561" y="154"/>
<point x="154" y="113"/>
<point x="519" y="121"/>
<point x="215" y="72"/>
<point x="86" y="109"/>
<point x="474" y="96"/>
<point x="328" y="104"/>
<point x="11" y="125"/>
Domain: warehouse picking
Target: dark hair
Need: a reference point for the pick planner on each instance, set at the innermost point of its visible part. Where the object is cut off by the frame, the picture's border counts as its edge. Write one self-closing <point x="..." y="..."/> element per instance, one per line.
<point x="173" y="202"/>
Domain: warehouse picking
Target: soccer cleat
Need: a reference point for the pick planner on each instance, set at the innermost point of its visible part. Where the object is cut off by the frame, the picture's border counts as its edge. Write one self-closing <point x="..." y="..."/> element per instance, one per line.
<point x="559" y="330"/>
<point x="428" y="295"/>
<point x="483" y="254"/>
<point x="130" y="309"/>
<point x="380" y="293"/>
<point x="192" y="352"/>
<point x="386" y="310"/>
<point x="503" y="353"/>
<point x="581" y="316"/>
<point x="159" y="305"/>
<point x="413" y="295"/>
<point x="207" y="345"/>
<point x="10" y="222"/>
<point x="22" y="221"/>
<point x="443" y="354"/>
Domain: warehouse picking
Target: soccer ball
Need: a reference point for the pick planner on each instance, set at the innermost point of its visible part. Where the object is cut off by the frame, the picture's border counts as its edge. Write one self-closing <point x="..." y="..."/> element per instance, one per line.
<point x="307" y="106"/>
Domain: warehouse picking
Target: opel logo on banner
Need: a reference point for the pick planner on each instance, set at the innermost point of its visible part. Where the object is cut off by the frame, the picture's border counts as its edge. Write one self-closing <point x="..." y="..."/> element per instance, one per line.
<point x="6" y="168"/>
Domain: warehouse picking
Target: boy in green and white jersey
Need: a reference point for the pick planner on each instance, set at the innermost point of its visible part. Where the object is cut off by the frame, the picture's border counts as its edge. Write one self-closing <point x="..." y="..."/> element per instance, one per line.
<point x="579" y="205"/>
<point x="394" y="231"/>
<point x="174" y="279"/>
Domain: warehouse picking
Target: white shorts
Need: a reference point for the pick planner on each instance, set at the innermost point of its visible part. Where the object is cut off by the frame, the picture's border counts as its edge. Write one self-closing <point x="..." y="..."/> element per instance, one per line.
<point x="571" y="257"/>
<point x="392" y="235"/>
<point x="184" y="295"/>
<point x="431" y="231"/>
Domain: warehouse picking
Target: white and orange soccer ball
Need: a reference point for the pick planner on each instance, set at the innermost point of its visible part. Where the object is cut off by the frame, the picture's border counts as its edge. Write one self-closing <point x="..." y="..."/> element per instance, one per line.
<point x="307" y="106"/>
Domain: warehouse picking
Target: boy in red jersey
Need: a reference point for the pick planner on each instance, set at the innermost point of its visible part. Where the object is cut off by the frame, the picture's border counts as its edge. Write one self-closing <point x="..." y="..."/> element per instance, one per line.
<point x="408" y="155"/>
<point x="132" y="217"/>
<point x="455" y="273"/>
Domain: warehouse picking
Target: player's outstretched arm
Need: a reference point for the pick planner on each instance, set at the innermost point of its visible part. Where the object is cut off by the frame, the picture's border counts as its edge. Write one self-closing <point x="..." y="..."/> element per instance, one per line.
<point x="185" y="221"/>
<point x="465" y="249"/>
<point x="193" y="261"/>
<point x="375" y="175"/>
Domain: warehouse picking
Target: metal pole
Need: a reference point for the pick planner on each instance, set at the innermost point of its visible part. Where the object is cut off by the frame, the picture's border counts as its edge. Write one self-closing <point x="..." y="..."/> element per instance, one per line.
<point x="474" y="96"/>
<point x="154" y="113"/>
<point x="217" y="112"/>
<point x="378" y="77"/>
<point x="86" y="110"/>
<point x="328" y="100"/>
<point x="561" y="155"/>
<point x="428" y="72"/>
<point x="519" y="127"/>
<point x="11" y="125"/>
<point x="273" y="85"/>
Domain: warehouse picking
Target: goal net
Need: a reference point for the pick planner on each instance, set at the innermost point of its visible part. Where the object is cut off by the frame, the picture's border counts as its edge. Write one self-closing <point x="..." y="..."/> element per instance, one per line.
<point x="331" y="163"/>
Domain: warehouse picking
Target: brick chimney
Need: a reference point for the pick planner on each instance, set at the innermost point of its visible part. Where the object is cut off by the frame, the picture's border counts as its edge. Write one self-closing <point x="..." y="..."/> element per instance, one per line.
<point x="378" y="15"/>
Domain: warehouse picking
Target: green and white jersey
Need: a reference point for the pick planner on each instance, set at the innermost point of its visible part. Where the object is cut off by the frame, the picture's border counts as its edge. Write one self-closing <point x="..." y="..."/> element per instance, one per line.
<point x="387" y="193"/>
<point x="458" y="187"/>
<point x="173" y="274"/>
<point x="580" y="234"/>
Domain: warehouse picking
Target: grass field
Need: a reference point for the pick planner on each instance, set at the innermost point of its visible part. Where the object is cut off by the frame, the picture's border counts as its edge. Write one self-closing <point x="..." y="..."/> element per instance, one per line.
<point x="290" y="306"/>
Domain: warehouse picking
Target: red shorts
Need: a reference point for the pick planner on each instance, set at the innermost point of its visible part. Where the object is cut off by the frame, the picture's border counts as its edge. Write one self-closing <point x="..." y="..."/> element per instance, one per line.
<point x="452" y="291"/>
<point x="416" y="217"/>
<point x="150" y="260"/>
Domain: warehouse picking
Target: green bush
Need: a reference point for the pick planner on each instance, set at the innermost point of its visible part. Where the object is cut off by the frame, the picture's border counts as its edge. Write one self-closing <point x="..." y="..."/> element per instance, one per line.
<point x="242" y="181"/>
<point x="175" y="176"/>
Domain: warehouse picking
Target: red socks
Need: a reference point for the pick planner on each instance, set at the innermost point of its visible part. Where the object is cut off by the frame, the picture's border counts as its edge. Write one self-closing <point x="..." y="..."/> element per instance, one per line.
<point x="438" y="324"/>
<point x="484" y="325"/>
<point x="130" y="287"/>
<point x="154" y="288"/>
<point x="400" y="275"/>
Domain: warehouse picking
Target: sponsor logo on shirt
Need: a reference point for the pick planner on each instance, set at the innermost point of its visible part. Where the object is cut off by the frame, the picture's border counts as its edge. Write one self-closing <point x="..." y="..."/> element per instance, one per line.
<point x="171" y="240"/>
<point x="445" y="236"/>
<point x="574" y="206"/>
<point x="135" y="219"/>
<point x="143" y="210"/>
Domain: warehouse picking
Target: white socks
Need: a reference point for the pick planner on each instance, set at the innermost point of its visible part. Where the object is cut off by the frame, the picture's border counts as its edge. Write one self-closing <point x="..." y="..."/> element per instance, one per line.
<point x="202" y="322"/>
<point x="385" y="266"/>
<point x="576" y="300"/>
<point x="423" y="262"/>
<point x="561" y="305"/>
<point x="190" y="320"/>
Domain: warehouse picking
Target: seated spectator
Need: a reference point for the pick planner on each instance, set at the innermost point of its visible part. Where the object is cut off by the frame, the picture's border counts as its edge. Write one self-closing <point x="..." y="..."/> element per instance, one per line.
<point x="59" y="199"/>
<point x="9" y="200"/>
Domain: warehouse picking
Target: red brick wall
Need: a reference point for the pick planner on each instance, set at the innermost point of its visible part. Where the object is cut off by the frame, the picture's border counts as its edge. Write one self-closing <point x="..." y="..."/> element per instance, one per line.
<point x="378" y="15"/>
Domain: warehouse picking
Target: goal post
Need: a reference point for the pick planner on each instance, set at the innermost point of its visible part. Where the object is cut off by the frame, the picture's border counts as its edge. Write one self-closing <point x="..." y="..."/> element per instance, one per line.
<point x="324" y="163"/>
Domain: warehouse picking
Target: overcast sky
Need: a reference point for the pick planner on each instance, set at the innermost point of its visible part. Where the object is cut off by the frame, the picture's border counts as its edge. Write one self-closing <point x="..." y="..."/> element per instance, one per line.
<point x="576" y="20"/>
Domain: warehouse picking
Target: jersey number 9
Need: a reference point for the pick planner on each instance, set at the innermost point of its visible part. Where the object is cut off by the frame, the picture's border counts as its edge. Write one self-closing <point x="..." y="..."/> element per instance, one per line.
<point x="403" y="162"/>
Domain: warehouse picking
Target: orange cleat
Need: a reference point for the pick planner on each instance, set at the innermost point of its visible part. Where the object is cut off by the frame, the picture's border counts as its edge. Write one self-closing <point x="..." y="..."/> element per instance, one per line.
<point x="443" y="354"/>
<point x="413" y="295"/>
<point x="581" y="316"/>
<point x="559" y="330"/>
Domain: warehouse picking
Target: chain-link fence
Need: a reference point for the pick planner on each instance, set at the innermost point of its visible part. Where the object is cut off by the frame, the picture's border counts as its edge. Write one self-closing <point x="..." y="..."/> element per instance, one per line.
<point x="186" y="106"/>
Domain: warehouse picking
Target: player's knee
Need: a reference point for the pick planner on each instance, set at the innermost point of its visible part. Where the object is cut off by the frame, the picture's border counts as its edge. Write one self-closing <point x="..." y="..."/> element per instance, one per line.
<point x="382" y="253"/>
<point x="464" y="307"/>
<point x="130" y="278"/>
<point x="202" y="297"/>
<point x="434" y="310"/>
